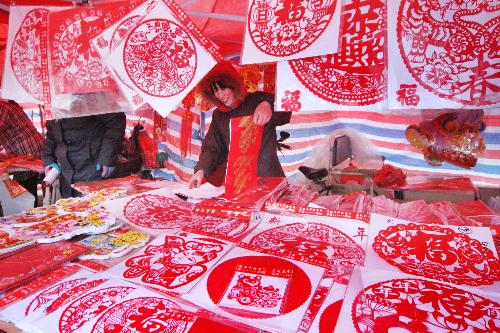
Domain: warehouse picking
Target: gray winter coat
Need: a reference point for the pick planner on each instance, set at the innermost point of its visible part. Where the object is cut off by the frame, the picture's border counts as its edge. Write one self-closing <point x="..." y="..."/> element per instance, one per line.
<point x="78" y="144"/>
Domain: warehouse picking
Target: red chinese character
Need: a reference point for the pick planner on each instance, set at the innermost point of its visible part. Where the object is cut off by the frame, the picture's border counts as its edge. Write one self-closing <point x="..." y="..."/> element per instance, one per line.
<point x="291" y="101"/>
<point x="137" y="100"/>
<point x="361" y="234"/>
<point x="292" y="11"/>
<point x="101" y="42"/>
<point x="407" y="94"/>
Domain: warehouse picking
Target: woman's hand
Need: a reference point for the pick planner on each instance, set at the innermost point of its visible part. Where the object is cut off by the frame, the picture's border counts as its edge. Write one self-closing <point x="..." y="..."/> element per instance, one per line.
<point x="196" y="179"/>
<point x="262" y="114"/>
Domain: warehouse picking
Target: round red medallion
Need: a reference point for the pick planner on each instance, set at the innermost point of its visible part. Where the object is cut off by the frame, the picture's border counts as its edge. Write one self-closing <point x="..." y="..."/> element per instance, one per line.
<point x="284" y="27"/>
<point x="157" y="212"/>
<point x="258" y="286"/>
<point x="437" y="253"/>
<point x="143" y="314"/>
<point x="451" y="48"/>
<point x="90" y="306"/>
<point x="355" y="75"/>
<point x="313" y="241"/>
<point x="415" y="305"/>
<point x="160" y="58"/>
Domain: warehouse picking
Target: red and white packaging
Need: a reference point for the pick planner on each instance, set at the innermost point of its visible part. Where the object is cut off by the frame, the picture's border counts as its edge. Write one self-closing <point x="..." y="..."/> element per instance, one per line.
<point x="26" y="59"/>
<point x="261" y="290"/>
<point x="66" y="226"/>
<point x="441" y="56"/>
<point x="313" y="308"/>
<point x="353" y="78"/>
<point x="35" y="260"/>
<point x="311" y="239"/>
<point x="280" y="30"/>
<point x="11" y="241"/>
<point x="392" y="301"/>
<point x="173" y="263"/>
<point x="163" y="58"/>
<point x="455" y="254"/>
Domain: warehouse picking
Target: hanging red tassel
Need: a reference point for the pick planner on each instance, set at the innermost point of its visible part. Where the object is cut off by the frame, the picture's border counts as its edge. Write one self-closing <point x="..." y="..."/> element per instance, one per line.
<point x="186" y="132"/>
<point x="187" y="123"/>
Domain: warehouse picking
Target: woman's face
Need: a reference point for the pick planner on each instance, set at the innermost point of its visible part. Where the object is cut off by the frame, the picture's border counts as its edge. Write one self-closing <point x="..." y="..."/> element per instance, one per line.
<point x="226" y="96"/>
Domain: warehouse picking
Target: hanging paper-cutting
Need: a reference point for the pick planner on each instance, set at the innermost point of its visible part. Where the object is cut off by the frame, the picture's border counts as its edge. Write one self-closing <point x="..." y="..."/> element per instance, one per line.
<point x="26" y="68"/>
<point x="75" y="67"/>
<point x="163" y="58"/>
<point x="111" y="38"/>
<point x="351" y="79"/>
<point x="281" y="29"/>
<point x="442" y="55"/>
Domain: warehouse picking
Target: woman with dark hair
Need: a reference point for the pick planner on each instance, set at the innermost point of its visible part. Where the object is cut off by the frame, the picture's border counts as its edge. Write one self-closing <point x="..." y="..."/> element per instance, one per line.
<point x="223" y="86"/>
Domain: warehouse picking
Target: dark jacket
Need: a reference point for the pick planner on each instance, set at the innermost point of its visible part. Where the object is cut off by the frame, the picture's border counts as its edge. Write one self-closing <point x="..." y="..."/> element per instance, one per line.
<point x="78" y="144"/>
<point x="215" y="147"/>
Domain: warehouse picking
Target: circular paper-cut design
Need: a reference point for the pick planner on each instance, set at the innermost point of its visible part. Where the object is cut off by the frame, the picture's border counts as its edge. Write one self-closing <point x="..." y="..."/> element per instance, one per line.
<point x="26" y="53"/>
<point x="281" y="28"/>
<point x="143" y="314"/>
<point x="418" y="305"/>
<point x="78" y="290"/>
<point x="341" y="83"/>
<point x="298" y="287"/>
<point x="313" y="241"/>
<point x="437" y="253"/>
<point x="219" y="227"/>
<point x="451" y="49"/>
<point x="118" y="35"/>
<point x="173" y="264"/>
<point x="160" y="58"/>
<point x="158" y="212"/>
<point x="354" y="75"/>
<point x="50" y="294"/>
<point x="90" y="306"/>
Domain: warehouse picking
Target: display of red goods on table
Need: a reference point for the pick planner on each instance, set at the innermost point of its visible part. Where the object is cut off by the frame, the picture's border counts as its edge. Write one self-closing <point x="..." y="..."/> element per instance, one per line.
<point x="36" y="260"/>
